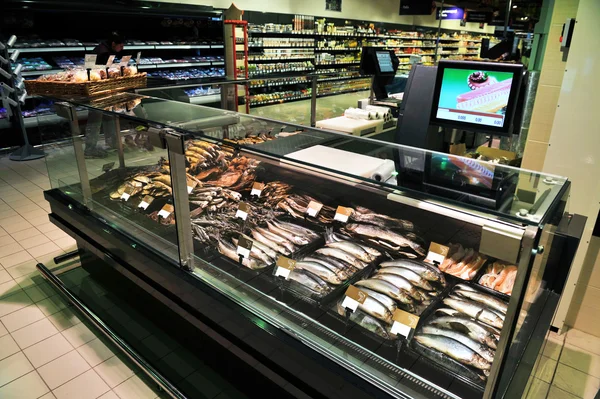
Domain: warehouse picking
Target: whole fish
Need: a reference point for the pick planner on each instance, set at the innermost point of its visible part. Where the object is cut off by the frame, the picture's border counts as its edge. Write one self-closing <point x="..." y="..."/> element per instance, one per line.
<point x="477" y="311"/>
<point x="332" y="237"/>
<point x="350" y="269"/>
<point x="483" y="350"/>
<point x="277" y="239"/>
<point x="366" y="321"/>
<point x="472" y="328"/>
<point x="309" y="280"/>
<point x="388" y="302"/>
<point x="388" y="235"/>
<point x="408" y="274"/>
<point x="388" y="289"/>
<point x="319" y="270"/>
<point x="353" y="249"/>
<point x="273" y="245"/>
<point x="342" y="255"/>
<point x="297" y="239"/>
<point x="230" y="251"/>
<point x="366" y="215"/>
<point x="401" y="283"/>
<point x="427" y="271"/>
<point x="448" y="311"/>
<point x="343" y="274"/>
<point x="271" y="253"/>
<point x="294" y="228"/>
<point x="454" y="349"/>
<point x="256" y="252"/>
<point x="484" y="299"/>
<point x="376" y="309"/>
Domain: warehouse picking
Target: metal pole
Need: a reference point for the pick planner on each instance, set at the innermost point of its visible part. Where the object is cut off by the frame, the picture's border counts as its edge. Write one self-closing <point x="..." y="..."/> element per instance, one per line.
<point x="313" y="102"/>
<point x="507" y="16"/>
<point x="437" y="41"/>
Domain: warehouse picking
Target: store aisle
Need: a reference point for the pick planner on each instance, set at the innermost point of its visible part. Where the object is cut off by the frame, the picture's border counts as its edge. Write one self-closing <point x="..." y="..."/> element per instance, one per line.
<point x="46" y="351"/>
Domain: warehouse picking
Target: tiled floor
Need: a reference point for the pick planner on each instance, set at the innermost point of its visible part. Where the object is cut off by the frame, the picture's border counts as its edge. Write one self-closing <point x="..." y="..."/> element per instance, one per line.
<point x="47" y="352"/>
<point x="45" y="349"/>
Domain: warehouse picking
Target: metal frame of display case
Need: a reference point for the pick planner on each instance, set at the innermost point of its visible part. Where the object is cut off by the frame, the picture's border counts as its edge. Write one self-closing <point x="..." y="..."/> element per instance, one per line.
<point x="184" y="287"/>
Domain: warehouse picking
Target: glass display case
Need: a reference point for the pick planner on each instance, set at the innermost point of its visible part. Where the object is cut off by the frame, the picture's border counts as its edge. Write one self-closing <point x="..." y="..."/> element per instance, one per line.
<point x="393" y="271"/>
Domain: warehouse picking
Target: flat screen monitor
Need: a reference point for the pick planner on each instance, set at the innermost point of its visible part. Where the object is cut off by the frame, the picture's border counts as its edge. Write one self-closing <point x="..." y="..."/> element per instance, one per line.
<point x="384" y="61"/>
<point x="478" y="96"/>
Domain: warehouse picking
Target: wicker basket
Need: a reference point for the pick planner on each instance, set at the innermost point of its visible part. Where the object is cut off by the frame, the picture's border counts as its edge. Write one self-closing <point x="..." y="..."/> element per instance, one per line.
<point x="86" y="89"/>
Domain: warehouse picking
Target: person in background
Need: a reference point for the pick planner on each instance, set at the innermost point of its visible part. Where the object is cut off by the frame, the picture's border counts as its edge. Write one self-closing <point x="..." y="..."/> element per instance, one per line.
<point x="96" y="119"/>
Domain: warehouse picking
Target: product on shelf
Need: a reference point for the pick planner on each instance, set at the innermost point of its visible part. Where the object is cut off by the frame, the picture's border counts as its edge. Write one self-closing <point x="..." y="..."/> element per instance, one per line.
<point x="499" y="276"/>
<point x="462" y="262"/>
<point x="272" y="68"/>
<point x="81" y="76"/>
<point x="34" y="64"/>
<point x="200" y="91"/>
<point x="280" y="96"/>
<point x="186" y="74"/>
<point x="69" y="62"/>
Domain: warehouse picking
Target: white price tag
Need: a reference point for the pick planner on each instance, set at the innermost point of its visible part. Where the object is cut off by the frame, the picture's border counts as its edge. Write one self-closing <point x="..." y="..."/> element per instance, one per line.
<point x="342" y="214"/>
<point x="110" y="61"/>
<point x="350" y="303"/>
<point x="164" y="213"/>
<point x="190" y="188"/>
<point x="137" y="59"/>
<point x="437" y="253"/>
<point x="399" y="328"/>
<point x="255" y="192"/>
<point x="125" y="196"/>
<point x="125" y="60"/>
<point x="432" y="257"/>
<point x="245" y="252"/>
<point x="313" y="208"/>
<point x="257" y="189"/>
<point x="283" y="272"/>
<point x="241" y="214"/>
<point x="144" y="205"/>
<point x="90" y="61"/>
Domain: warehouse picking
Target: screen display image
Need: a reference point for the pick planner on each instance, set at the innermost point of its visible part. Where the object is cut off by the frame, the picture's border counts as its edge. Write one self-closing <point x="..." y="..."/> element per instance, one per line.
<point x="474" y="96"/>
<point x="460" y="172"/>
<point x="385" y="62"/>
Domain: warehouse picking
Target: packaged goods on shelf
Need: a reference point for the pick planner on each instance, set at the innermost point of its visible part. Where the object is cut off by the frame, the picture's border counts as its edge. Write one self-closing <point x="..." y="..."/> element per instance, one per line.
<point x="186" y="74"/>
<point x="34" y="64"/>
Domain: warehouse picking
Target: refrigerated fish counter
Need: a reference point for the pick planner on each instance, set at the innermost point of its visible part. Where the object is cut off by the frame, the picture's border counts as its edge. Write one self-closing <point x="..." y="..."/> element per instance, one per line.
<point x="437" y="283"/>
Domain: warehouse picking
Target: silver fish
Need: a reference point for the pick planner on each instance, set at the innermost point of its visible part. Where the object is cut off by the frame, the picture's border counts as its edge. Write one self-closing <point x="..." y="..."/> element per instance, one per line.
<point x="388" y="302"/>
<point x="309" y="280"/>
<point x="335" y="237"/>
<point x="388" y="289"/>
<point x="353" y="249"/>
<point x="256" y="252"/>
<point x="448" y="311"/>
<point x="382" y="220"/>
<point x="484" y="299"/>
<point x="277" y="238"/>
<point x="366" y="321"/>
<point x="427" y="271"/>
<point x="343" y="274"/>
<point x="454" y="349"/>
<point x="340" y="264"/>
<point x="231" y="252"/>
<point x="273" y="245"/>
<point x="477" y="311"/>
<point x="319" y="270"/>
<point x="388" y="235"/>
<point x="403" y="284"/>
<point x="343" y="255"/>
<point x="267" y="250"/>
<point x="481" y="349"/>
<point x="294" y="228"/>
<point x="295" y="238"/>
<point x="376" y="309"/>
<point x="472" y="328"/>
<point x="408" y="274"/>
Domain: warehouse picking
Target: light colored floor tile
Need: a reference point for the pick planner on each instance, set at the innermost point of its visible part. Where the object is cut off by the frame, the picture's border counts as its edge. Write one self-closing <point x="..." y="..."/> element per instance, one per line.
<point x="22" y="317"/>
<point x="47" y="350"/>
<point x="552" y="349"/>
<point x="4" y="276"/>
<point x="66" y="243"/>
<point x="10" y="249"/>
<point x="109" y="395"/>
<point x="583" y="340"/>
<point x="86" y="386"/>
<point x="26" y="208"/>
<point x="56" y="234"/>
<point x="40" y="291"/>
<point x="9" y="288"/>
<point x="95" y="352"/>
<point x="114" y="371"/>
<point x="52" y="304"/>
<point x="134" y="388"/>
<point x="79" y="335"/>
<point x="27" y="233"/>
<point x="43" y="249"/>
<point x="7" y="239"/>
<point x="581" y="359"/>
<point x="34" y="333"/>
<point x="29" y="386"/>
<point x="49" y="395"/>
<point x="17" y="226"/>
<point x="7" y="213"/>
<point x="34" y="241"/>
<point x="47" y="227"/>
<point x="63" y="369"/>
<point x="3" y="330"/>
<point x="14" y="302"/>
<point x="30" y="280"/>
<point x="35" y="214"/>
<point x="556" y="393"/>
<point x="14" y="367"/>
<point x="8" y="347"/>
<point x="38" y="221"/>
<point x="64" y="319"/>
<point x="575" y="381"/>
<point x="19" y="264"/>
<point x="546" y="368"/>
<point x="538" y="389"/>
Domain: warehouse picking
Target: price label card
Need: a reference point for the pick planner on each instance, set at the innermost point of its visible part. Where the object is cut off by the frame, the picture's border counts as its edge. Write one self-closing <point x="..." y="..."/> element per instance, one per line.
<point x="313" y="208"/>
<point x="146" y="201"/>
<point x="342" y="214"/>
<point x="110" y="61"/>
<point x="127" y="193"/>
<point x="403" y="322"/>
<point x="125" y="60"/>
<point x="437" y="253"/>
<point x="244" y="247"/>
<point x="284" y="267"/>
<point x="138" y="57"/>
<point x="166" y="211"/>
<point x="108" y="166"/>
<point x="90" y="61"/>
<point x="353" y="298"/>
<point x="257" y="189"/>
<point x="243" y="210"/>
<point x="191" y="184"/>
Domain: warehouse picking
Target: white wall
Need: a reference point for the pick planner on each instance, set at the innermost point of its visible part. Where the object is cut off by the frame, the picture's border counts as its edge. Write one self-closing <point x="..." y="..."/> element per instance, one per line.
<point x="367" y="10"/>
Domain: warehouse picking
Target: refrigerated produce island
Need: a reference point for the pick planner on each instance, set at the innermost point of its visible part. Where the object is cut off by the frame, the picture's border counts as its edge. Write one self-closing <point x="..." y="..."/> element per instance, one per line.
<point x="391" y="272"/>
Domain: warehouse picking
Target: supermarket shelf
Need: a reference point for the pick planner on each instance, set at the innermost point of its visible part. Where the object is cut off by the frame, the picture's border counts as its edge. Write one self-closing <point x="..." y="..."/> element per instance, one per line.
<point x="48" y="49"/>
<point x="342" y="78"/>
<point x="209" y="98"/>
<point x="38" y="73"/>
<point x="342" y="92"/>
<point x="131" y="47"/>
<point x="174" y="65"/>
<point x="336" y="64"/>
<point x="286" y="47"/>
<point x="342" y="50"/>
<point x="40" y="120"/>
<point x="287" y="59"/>
<point x="276" y="83"/>
<point x="278" y="101"/>
<point x="281" y="72"/>
<point x="179" y="46"/>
